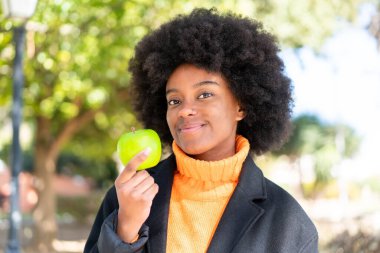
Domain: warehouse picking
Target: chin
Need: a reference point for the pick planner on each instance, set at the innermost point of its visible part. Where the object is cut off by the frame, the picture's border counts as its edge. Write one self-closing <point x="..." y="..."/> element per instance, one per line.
<point x="191" y="149"/>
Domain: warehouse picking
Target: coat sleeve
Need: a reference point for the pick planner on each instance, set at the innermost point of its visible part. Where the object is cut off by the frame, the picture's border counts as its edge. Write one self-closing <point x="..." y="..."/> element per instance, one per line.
<point x="103" y="236"/>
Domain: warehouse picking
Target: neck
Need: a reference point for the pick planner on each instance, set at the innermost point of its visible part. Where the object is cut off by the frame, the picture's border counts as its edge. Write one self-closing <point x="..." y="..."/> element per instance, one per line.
<point x="227" y="169"/>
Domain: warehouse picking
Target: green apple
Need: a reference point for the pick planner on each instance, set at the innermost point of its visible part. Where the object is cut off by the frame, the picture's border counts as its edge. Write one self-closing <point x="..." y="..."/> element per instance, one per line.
<point x="131" y="143"/>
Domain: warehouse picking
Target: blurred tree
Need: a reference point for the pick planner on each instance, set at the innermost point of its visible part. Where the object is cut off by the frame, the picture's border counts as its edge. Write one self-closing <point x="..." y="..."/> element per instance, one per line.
<point x="374" y="26"/>
<point x="300" y="23"/>
<point x="325" y="144"/>
<point x="77" y="79"/>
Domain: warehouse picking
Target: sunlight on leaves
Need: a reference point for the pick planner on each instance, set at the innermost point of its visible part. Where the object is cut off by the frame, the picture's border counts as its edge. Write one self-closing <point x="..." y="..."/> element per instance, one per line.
<point x="96" y="97"/>
<point x="69" y="110"/>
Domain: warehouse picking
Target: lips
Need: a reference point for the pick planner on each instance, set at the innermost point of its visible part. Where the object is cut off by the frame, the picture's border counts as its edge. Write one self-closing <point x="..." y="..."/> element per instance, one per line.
<point x="189" y="128"/>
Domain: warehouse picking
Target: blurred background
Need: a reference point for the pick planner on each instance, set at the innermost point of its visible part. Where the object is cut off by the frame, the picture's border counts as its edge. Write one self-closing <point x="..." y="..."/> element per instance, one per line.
<point x="75" y="105"/>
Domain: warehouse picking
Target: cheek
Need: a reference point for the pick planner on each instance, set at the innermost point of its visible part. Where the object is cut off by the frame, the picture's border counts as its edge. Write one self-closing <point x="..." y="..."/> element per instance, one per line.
<point x="170" y="121"/>
<point x="232" y="110"/>
<point x="226" y="116"/>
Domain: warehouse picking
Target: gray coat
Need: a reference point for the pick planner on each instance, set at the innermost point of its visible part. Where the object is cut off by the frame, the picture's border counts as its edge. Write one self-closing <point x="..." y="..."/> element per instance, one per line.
<point x="260" y="217"/>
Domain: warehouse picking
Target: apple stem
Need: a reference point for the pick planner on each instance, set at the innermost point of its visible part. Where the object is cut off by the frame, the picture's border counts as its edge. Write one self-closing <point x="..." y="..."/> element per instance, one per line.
<point x="133" y="129"/>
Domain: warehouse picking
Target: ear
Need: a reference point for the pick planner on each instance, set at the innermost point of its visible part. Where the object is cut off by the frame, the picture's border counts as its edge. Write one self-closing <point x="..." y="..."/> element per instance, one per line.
<point x="240" y="113"/>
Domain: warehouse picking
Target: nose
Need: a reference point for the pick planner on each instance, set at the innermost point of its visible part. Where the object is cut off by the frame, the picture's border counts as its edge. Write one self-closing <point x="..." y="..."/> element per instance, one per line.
<point x="187" y="110"/>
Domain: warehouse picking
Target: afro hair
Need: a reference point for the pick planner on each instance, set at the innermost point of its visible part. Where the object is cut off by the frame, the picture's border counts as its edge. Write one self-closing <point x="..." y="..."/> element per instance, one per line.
<point x="238" y="48"/>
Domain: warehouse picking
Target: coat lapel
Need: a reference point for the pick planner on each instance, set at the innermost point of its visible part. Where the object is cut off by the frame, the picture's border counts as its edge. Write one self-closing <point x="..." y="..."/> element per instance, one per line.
<point x="158" y="219"/>
<point x="241" y="213"/>
<point x="231" y="228"/>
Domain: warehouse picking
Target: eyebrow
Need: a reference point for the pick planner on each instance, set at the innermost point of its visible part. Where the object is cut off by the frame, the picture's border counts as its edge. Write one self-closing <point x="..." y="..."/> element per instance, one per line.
<point x="206" y="82"/>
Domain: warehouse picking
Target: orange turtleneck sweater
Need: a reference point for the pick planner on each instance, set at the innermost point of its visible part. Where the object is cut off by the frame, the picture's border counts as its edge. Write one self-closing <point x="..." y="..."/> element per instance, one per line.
<point x="200" y="193"/>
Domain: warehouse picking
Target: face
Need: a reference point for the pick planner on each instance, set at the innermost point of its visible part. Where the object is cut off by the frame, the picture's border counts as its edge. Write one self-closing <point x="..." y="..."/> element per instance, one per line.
<point x="202" y="113"/>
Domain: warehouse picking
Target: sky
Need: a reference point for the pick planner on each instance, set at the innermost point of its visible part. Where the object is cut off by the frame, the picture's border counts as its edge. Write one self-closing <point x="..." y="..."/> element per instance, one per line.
<point x="341" y="84"/>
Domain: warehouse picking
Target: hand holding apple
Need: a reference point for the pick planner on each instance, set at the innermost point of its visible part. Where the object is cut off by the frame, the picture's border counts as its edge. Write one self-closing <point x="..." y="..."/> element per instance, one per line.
<point x="131" y="143"/>
<point x="135" y="192"/>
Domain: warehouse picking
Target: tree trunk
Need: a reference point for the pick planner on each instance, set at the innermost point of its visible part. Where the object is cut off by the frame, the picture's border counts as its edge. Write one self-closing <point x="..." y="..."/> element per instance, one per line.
<point x="44" y="169"/>
<point x="47" y="148"/>
<point x="44" y="214"/>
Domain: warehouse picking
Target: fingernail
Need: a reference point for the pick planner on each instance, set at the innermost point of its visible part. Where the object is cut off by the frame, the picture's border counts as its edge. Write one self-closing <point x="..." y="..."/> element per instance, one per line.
<point x="147" y="151"/>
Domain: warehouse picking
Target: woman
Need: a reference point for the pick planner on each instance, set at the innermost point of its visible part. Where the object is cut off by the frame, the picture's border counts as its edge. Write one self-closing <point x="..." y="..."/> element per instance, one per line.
<point x="218" y="81"/>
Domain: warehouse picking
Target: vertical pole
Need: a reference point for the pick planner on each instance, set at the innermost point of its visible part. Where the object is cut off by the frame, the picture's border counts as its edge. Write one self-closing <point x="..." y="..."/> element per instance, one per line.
<point x="16" y="162"/>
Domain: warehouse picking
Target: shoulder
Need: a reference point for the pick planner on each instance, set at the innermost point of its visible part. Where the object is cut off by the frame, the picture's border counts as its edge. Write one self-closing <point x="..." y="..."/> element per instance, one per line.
<point x="284" y="202"/>
<point x="284" y="225"/>
<point x="281" y="212"/>
<point x="287" y="216"/>
<point x="274" y="200"/>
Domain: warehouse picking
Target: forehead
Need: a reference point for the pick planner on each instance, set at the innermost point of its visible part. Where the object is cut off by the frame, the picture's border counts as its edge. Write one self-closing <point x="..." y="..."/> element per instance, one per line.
<point x="187" y="74"/>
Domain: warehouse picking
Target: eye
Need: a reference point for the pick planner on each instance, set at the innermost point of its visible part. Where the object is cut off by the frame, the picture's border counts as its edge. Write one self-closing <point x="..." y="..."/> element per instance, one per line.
<point x="173" y="102"/>
<point x="205" y="95"/>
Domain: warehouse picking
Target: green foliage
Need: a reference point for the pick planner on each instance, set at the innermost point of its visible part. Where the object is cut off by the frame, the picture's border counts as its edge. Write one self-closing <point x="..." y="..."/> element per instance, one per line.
<point x="363" y="240"/>
<point x="310" y="134"/>
<point x="372" y="183"/>
<point x="27" y="157"/>
<point x="328" y="144"/>
<point x="82" y="208"/>
<point x="299" y="23"/>
<point x="77" y="55"/>
<point x="102" y="170"/>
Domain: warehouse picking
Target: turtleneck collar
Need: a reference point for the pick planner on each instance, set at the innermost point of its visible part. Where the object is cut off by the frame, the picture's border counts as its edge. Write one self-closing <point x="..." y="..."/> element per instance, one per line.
<point x="226" y="170"/>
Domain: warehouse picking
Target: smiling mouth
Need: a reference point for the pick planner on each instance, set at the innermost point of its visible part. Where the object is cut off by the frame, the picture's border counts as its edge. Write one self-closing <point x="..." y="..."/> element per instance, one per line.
<point x="190" y="128"/>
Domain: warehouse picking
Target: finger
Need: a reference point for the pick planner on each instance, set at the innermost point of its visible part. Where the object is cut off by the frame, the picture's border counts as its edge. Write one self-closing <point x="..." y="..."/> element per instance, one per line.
<point x="132" y="185"/>
<point x="131" y="167"/>
<point x="144" y="184"/>
<point x="138" y="178"/>
<point x="151" y="191"/>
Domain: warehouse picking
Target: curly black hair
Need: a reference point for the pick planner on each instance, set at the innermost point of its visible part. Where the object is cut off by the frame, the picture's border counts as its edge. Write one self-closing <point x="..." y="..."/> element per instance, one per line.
<point x="238" y="48"/>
